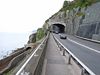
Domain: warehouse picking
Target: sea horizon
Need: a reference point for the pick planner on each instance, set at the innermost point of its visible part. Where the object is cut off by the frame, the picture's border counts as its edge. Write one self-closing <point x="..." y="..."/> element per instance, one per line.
<point x="10" y="41"/>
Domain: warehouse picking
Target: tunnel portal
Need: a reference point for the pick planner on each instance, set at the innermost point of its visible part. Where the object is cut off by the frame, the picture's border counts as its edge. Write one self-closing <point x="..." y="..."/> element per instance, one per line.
<point x="59" y="28"/>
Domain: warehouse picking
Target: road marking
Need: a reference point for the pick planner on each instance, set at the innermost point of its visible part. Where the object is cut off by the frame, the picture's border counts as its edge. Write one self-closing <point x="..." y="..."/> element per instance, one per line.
<point x="25" y="73"/>
<point x="85" y="46"/>
<point x="36" y="55"/>
<point x="90" y="71"/>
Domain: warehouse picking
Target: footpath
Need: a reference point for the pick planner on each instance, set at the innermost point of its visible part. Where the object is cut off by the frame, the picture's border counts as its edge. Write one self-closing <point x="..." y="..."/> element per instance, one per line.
<point x="55" y="63"/>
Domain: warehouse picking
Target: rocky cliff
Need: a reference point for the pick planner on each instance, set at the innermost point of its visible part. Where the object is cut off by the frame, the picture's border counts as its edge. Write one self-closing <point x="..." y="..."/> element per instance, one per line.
<point x="81" y="18"/>
<point x="32" y="38"/>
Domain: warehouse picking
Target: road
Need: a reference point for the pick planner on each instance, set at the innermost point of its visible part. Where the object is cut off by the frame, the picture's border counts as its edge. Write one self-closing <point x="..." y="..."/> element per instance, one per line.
<point x="87" y="52"/>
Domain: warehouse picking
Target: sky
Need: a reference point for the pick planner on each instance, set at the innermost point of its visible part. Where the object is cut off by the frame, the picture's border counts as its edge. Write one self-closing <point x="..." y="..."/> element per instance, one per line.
<point x="26" y="15"/>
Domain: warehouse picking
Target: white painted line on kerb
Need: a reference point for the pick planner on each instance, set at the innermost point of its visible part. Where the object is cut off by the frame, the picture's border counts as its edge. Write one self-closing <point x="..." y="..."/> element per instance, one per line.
<point x="20" y="70"/>
<point x="84" y="46"/>
<point x="84" y="66"/>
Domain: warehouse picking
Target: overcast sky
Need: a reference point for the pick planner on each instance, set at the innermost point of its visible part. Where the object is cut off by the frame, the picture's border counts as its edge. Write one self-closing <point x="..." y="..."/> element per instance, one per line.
<point x="26" y="15"/>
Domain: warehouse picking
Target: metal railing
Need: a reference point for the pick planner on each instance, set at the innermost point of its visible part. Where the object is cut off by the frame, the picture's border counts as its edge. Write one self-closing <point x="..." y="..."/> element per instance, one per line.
<point x="95" y="41"/>
<point x="33" y="66"/>
<point x="84" y="68"/>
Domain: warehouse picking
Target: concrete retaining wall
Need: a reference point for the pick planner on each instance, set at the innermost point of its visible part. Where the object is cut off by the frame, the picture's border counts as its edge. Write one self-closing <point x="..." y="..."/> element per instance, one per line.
<point x="9" y="61"/>
<point x="15" y="61"/>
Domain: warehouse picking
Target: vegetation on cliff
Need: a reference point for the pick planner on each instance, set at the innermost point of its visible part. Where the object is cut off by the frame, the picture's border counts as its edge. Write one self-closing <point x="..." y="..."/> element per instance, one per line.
<point x="80" y="17"/>
<point x="77" y="3"/>
<point x="70" y="6"/>
<point x="40" y="34"/>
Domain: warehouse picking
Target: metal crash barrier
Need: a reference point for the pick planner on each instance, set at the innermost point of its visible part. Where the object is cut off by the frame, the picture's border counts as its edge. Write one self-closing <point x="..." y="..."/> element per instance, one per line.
<point x="84" y="69"/>
<point x="33" y="66"/>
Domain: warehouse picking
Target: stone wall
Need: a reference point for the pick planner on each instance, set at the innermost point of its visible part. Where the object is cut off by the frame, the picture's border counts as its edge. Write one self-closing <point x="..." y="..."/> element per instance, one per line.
<point x="90" y="25"/>
<point x="84" y="22"/>
<point x="15" y="61"/>
<point x="6" y="61"/>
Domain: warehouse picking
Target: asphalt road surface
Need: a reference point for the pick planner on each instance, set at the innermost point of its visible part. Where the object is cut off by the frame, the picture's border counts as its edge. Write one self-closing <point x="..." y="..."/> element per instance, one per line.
<point x="87" y="52"/>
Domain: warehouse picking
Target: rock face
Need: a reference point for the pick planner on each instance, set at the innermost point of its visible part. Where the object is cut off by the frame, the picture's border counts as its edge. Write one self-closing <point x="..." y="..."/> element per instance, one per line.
<point x="83" y="22"/>
<point x="32" y="38"/>
<point x="90" y="25"/>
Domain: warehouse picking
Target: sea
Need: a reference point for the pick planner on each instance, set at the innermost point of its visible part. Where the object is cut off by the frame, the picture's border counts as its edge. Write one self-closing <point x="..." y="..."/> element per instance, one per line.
<point x="12" y="41"/>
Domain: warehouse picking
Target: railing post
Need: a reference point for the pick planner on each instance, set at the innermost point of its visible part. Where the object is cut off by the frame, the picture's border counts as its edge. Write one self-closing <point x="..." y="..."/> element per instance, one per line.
<point x="60" y="47"/>
<point x="42" y="45"/>
<point x="83" y="71"/>
<point x="57" y="44"/>
<point x="69" y="59"/>
<point x="63" y="52"/>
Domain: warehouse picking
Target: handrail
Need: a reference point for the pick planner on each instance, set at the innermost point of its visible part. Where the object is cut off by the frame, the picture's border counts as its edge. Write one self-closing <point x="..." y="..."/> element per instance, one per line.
<point x="33" y="54"/>
<point x="91" y="40"/>
<point x="80" y="62"/>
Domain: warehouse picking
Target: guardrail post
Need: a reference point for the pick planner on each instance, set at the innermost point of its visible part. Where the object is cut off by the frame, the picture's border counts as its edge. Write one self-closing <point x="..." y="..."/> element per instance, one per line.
<point x="42" y="45"/>
<point x="83" y="71"/>
<point x="57" y="43"/>
<point x="63" y="52"/>
<point x="69" y="59"/>
<point x="60" y="47"/>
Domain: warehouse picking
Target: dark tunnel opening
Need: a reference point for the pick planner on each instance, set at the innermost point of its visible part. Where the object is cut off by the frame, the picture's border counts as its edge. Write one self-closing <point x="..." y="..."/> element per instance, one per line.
<point x="59" y="28"/>
<point x="28" y="48"/>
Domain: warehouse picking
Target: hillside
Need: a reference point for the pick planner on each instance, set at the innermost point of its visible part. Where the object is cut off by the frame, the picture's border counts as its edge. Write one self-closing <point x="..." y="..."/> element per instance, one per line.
<point x="80" y="17"/>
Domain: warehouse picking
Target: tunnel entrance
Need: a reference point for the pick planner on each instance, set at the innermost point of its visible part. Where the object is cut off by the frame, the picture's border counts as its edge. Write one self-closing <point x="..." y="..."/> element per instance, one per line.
<point x="59" y="28"/>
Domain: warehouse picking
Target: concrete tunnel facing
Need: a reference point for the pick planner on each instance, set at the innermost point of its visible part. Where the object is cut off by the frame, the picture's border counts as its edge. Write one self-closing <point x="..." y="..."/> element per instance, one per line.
<point x="58" y="27"/>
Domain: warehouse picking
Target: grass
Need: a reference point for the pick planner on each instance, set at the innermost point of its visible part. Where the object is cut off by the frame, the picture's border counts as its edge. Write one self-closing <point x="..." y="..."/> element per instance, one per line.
<point x="77" y="3"/>
<point x="8" y="73"/>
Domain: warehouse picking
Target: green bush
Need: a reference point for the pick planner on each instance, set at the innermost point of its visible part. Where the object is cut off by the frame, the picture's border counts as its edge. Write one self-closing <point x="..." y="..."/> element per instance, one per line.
<point x="40" y="34"/>
<point x="65" y="4"/>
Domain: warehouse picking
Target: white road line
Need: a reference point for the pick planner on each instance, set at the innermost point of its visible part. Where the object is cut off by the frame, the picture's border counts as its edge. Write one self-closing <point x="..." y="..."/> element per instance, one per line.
<point x="84" y="46"/>
<point x="90" y="71"/>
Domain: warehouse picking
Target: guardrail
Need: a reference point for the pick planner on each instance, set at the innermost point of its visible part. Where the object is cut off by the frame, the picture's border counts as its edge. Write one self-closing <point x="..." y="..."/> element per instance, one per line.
<point x="95" y="41"/>
<point x="85" y="69"/>
<point x="33" y="66"/>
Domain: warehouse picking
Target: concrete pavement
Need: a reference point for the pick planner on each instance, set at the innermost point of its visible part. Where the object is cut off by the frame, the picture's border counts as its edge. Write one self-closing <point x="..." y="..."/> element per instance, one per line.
<point x="55" y="63"/>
